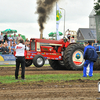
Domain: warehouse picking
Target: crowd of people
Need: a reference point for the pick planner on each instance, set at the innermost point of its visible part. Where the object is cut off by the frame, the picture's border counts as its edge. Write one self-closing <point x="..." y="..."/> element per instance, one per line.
<point x="8" y="43"/>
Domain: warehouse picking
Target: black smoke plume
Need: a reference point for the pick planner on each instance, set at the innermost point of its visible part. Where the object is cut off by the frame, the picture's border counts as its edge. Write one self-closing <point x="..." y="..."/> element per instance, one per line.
<point x="44" y="8"/>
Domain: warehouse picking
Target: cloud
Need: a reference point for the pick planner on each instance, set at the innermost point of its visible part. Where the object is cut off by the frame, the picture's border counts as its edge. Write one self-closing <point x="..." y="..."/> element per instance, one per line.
<point x="20" y="15"/>
<point x="74" y="9"/>
<point x="24" y="10"/>
<point x="18" y="11"/>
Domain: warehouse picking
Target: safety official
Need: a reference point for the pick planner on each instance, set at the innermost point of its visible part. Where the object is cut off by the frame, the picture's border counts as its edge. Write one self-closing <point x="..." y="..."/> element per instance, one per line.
<point x="20" y="59"/>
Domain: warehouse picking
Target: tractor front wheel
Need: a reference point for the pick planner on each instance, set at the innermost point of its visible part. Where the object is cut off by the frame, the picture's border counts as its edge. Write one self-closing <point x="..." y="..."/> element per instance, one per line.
<point x="38" y="60"/>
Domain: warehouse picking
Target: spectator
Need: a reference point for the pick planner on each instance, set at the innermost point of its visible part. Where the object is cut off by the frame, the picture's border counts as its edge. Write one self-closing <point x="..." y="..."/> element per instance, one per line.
<point x="5" y="42"/>
<point x="1" y="47"/>
<point x="15" y="37"/>
<point x="10" y="44"/>
<point x="2" y="41"/>
<point x="5" y="37"/>
<point x="14" y="41"/>
<point x="5" y="49"/>
<point x="1" y="37"/>
<point x="18" y="38"/>
<point x="26" y="41"/>
<point x="9" y="40"/>
<point x="27" y="47"/>
<point x="13" y="48"/>
<point x="85" y="44"/>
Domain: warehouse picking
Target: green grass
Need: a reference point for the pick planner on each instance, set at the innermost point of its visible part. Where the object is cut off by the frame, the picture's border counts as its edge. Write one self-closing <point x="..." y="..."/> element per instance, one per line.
<point x="47" y="78"/>
<point x="15" y="65"/>
<point x="7" y="65"/>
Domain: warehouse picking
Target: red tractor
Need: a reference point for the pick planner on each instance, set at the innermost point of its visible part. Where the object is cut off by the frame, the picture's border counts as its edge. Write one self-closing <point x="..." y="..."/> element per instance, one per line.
<point x="61" y="54"/>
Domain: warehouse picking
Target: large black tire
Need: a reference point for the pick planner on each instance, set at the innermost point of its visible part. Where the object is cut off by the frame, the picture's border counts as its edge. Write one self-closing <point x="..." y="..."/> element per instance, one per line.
<point x="28" y="63"/>
<point x="57" y="65"/>
<point x="96" y="65"/>
<point x="73" y="57"/>
<point x="38" y="60"/>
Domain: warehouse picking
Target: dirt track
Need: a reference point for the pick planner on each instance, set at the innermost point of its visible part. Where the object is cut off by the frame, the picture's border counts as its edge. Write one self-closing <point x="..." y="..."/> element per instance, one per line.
<point x="64" y="90"/>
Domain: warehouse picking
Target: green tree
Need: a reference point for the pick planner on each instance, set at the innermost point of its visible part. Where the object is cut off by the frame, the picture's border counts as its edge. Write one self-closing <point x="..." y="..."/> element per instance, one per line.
<point x="97" y="7"/>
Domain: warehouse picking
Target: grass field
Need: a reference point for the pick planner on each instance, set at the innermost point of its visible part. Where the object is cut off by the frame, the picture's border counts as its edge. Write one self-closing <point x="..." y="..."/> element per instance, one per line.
<point x="46" y="78"/>
<point x="15" y="65"/>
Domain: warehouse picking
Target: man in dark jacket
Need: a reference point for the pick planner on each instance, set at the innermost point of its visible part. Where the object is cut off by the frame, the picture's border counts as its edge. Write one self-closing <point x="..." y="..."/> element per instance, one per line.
<point x="5" y="49"/>
<point x="90" y="57"/>
<point x="5" y="37"/>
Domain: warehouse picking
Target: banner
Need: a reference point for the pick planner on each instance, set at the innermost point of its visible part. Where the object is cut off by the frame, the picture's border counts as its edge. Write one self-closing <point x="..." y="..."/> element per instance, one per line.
<point x="7" y="57"/>
<point x="58" y="18"/>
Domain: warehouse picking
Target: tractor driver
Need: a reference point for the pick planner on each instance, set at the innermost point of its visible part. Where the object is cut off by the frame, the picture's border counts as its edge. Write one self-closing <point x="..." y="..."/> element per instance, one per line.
<point x="68" y="36"/>
<point x="68" y="40"/>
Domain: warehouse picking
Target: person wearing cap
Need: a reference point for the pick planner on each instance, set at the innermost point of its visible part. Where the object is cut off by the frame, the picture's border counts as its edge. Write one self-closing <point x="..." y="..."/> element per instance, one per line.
<point x="90" y="56"/>
<point x="18" y="38"/>
<point x="20" y="59"/>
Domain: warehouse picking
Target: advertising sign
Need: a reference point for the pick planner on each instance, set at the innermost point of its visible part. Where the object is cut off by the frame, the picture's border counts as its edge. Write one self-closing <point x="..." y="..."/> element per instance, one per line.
<point x="7" y="57"/>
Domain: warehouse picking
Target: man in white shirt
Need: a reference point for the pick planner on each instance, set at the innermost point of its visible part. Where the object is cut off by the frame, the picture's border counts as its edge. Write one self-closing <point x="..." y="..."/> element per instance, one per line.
<point x="9" y="40"/>
<point x="20" y="59"/>
<point x="72" y="39"/>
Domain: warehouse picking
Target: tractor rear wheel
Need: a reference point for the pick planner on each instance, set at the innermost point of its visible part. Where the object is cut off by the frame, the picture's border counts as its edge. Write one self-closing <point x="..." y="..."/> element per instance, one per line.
<point x="73" y="57"/>
<point x="96" y="65"/>
<point x="57" y="65"/>
<point x="28" y="63"/>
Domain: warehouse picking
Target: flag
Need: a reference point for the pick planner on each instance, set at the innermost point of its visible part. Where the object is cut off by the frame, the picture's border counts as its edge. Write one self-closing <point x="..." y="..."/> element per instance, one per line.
<point x="58" y="18"/>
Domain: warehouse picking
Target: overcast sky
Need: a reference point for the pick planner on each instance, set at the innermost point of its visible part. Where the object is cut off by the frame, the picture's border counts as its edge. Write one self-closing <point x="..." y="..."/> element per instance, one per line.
<point x="20" y="15"/>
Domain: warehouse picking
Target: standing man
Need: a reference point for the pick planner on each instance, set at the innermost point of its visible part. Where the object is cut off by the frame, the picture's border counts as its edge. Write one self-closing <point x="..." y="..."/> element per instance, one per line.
<point x="90" y="56"/>
<point x="20" y="59"/>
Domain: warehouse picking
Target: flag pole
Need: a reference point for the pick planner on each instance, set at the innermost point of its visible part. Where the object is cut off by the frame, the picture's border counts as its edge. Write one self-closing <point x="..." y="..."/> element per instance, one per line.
<point x="56" y="21"/>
